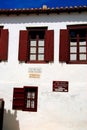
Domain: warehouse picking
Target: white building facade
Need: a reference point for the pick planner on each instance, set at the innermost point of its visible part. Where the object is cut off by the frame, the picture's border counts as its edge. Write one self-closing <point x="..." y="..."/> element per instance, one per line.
<point x="45" y="88"/>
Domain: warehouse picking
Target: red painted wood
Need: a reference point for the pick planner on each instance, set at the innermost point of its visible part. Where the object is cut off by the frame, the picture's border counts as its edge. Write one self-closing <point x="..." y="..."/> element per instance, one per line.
<point x="4" y="45"/>
<point x="49" y="46"/>
<point x="64" y="46"/>
<point x="23" y="46"/>
<point x="18" y="98"/>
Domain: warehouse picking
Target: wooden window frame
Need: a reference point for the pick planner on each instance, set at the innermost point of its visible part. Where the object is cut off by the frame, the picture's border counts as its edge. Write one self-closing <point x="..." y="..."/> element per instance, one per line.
<point x="24" y="47"/>
<point x="20" y="98"/>
<point x="78" y="27"/>
<point x="40" y="30"/>
<point x="30" y="90"/>
<point x="64" y="55"/>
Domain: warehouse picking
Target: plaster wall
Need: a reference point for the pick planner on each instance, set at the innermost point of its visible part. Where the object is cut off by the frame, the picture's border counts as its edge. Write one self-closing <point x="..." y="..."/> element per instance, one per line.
<point x="59" y="110"/>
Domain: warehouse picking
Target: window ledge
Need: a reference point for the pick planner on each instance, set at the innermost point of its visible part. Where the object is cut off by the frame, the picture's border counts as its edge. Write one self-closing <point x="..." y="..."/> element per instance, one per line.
<point x="77" y="62"/>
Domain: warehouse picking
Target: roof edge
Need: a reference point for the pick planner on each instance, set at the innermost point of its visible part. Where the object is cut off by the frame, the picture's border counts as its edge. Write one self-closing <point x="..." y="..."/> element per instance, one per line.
<point x="43" y="10"/>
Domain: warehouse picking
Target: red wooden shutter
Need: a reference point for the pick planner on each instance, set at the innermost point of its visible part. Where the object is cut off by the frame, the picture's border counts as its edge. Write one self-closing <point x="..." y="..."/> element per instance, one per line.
<point x="49" y="45"/>
<point x="4" y="45"/>
<point x="23" y="45"/>
<point x="64" y="46"/>
<point x="18" y="98"/>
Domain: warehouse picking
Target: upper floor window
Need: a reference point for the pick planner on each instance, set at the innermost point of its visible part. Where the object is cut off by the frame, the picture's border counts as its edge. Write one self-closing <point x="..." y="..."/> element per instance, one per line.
<point x="25" y="98"/>
<point x="36" y="45"/>
<point x="3" y="44"/>
<point x="73" y="44"/>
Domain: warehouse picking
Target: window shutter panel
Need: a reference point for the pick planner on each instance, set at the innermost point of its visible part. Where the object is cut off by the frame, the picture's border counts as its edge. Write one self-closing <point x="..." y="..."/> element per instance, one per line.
<point x="64" y="46"/>
<point x="18" y="98"/>
<point x="23" y="45"/>
<point x="49" y="45"/>
<point x="4" y="45"/>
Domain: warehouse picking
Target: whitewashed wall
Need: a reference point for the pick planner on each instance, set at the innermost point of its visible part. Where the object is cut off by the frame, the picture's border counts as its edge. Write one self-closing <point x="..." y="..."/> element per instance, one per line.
<point x="62" y="111"/>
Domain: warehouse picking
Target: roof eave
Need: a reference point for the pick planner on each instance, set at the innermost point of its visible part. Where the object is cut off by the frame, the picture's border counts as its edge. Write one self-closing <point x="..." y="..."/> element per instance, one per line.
<point x="56" y="10"/>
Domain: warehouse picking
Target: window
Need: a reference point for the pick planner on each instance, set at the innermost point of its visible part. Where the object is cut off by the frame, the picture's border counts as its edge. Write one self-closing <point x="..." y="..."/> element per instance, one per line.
<point x="3" y="44"/>
<point x="25" y="98"/>
<point x="36" y="45"/>
<point x="73" y="44"/>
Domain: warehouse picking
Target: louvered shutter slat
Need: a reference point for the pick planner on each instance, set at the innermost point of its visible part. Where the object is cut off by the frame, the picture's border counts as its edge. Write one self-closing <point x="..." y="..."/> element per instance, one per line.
<point x="64" y="46"/>
<point x="49" y="45"/>
<point x="23" y="46"/>
<point x="18" y="98"/>
<point x="4" y="45"/>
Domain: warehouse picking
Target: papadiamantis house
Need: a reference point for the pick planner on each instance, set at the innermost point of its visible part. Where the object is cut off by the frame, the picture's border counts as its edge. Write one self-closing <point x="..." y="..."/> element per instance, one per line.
<point x="43" y="68"/>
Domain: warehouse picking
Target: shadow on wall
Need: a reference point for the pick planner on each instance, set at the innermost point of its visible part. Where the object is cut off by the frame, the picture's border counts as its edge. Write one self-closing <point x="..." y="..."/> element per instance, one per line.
<point x="9" y="121"/>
